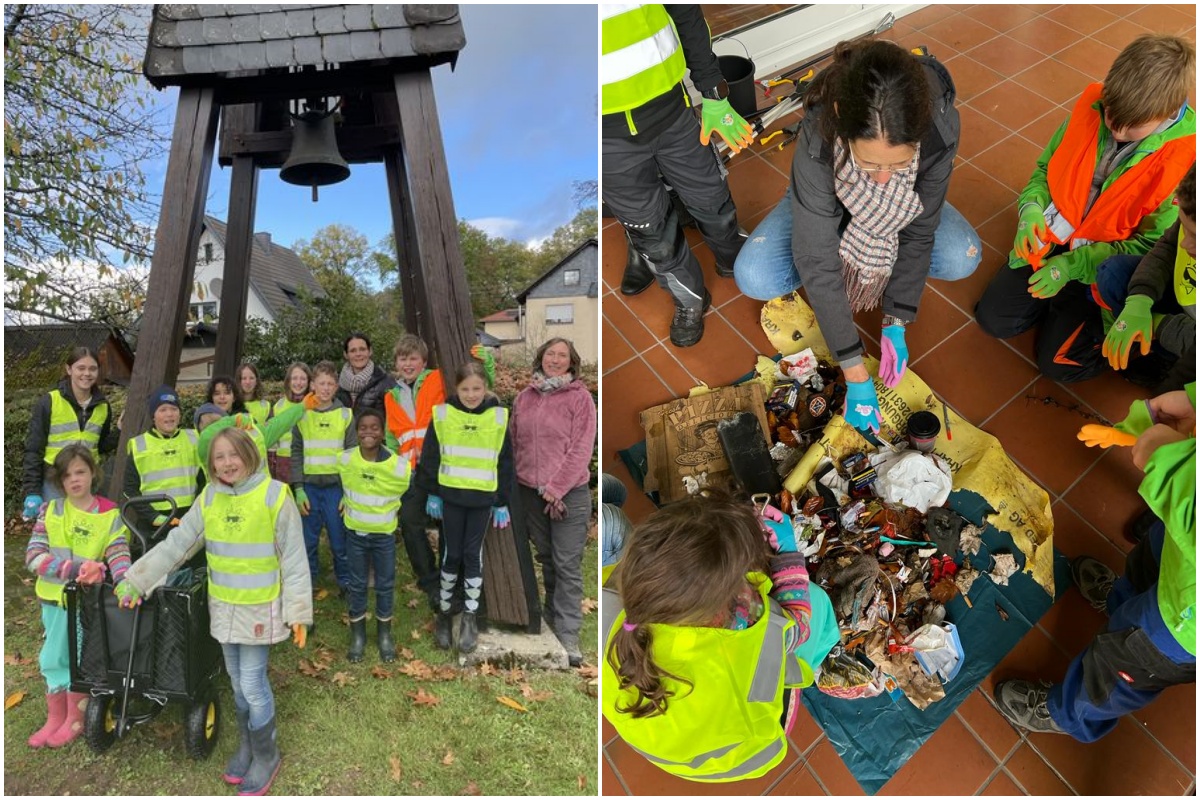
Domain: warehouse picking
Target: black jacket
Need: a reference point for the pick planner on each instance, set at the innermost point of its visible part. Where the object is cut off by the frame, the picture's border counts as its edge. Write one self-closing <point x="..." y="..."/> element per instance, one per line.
<point x="39" y="432"/>
<point x="372" y="395"/>
<point x="655" y="116"/>
<point x="431" y="461"/>
<point x="818" y="218"/>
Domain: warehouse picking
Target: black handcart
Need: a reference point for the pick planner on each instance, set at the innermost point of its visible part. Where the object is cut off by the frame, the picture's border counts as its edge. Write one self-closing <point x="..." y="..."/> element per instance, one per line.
<point x="132" y="663"/>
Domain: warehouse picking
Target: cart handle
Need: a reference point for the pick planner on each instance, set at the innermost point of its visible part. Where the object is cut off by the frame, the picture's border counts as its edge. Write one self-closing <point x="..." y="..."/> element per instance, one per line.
<point x="147" y="500"/>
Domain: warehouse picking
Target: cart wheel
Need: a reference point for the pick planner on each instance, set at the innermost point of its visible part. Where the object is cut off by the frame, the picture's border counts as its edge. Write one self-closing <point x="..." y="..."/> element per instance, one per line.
<point x="99" y="725"/>
<point x="201" y="724"/>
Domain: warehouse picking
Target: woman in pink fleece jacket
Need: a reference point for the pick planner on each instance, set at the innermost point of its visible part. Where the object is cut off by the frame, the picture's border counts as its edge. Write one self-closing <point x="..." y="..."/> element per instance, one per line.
<point x="554" y="434"/>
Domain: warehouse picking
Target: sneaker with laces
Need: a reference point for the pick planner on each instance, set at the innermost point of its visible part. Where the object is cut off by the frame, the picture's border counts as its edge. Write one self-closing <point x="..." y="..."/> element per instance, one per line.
<point x="1023" y="703"/>
<point x="687" y="327"/>
<point x="1094" y="579"/>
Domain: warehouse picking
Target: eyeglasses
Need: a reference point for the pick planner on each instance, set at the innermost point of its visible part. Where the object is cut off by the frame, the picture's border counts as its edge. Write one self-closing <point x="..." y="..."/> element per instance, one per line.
<point x="906" y="169"/>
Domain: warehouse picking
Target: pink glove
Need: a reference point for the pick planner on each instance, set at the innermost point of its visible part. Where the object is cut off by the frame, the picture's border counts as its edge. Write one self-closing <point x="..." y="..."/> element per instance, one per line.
<point x="91" y="572"/>
<point x="893" y="361"/>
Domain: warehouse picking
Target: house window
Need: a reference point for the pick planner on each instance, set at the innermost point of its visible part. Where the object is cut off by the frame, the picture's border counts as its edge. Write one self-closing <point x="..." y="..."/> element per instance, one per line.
<point x="208" y="253"/>
<point x="204" y="312"/>
<point x="563" y="314"/>
<point x="570" y="277"/>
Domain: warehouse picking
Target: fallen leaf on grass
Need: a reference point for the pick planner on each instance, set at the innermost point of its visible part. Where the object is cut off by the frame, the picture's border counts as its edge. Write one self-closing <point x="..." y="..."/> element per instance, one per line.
<point x="581" y="781"/>
<point x="311" y="669"/>
<point x="321" y="594"/>
<point x="448" y="759"/>
<point x="416" y="601"/>
<point x="530" y="694"/>
<point x="417" y="670"/>
<point x="428" y="627"/>
<point x="406" y="653"/>
<point x="416" y="634"/>
<point x="418" y="784"/>
<point x="505" y="700"/>
<point x="411" y="588"/>
<point x="514" y="676"/>
<point x="397" y="772"/>
<point x="589" y="671"/>
<point x="344" y="679"/>
<point x="13" y="699"/>
<point x="379" y="672"/>
<point x="587" y="605"/>
<point x="423" y="698"/>
<point x="473" y="789"/>
<point x="487" y="669"/>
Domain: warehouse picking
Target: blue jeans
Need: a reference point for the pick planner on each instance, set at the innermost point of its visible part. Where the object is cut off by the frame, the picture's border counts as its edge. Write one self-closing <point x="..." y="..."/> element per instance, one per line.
<point x="764" y="269"/>
<point x="1130" y="662"/>
<point x="323" y="510"/>
<point x="614" y="525"/>
<point x="247" y="668"/>
<point x="1112" y="279"/>
<point x="363" y="551"/>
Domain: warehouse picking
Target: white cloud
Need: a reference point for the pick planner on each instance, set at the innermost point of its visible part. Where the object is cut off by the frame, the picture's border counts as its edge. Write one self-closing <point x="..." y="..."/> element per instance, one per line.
<point x="505" y="227"/>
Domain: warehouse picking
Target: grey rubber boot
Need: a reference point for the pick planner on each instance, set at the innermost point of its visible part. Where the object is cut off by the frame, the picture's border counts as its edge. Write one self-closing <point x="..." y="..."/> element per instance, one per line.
<point x="265" y="761"/>
<point x="358" y="640"/>
<point x="468" y="633"/>
<point x="235" y="770"/>
<point x="387" y="646"/>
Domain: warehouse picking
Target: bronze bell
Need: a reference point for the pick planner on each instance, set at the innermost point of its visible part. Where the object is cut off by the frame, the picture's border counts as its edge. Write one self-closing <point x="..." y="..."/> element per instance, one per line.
<point x="314" y="160"/>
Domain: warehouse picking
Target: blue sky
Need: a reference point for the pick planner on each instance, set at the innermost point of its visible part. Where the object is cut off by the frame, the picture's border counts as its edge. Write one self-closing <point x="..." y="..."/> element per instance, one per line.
<point x="519" y="123"/>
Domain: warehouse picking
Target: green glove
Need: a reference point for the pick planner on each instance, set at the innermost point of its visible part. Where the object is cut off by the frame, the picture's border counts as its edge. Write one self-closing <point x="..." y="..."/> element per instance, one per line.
<point x="1057" y="272"/>
<point x="1030" y="243"/>
<point x="302" y="502"/>
<point x="484" y="354"/>
<point x="719" y="116"/>
<point x="1135" y="324"/>
<point x="1139" y="419"/>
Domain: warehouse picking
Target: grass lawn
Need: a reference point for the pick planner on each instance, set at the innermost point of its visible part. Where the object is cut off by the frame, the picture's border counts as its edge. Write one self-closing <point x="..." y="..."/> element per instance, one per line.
<point x="344" y="728"/>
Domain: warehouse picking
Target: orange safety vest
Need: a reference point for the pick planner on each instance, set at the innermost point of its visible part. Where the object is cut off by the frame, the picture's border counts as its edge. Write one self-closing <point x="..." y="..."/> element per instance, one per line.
<point x="410" y="433"/>
<point x="1136" y="193"/>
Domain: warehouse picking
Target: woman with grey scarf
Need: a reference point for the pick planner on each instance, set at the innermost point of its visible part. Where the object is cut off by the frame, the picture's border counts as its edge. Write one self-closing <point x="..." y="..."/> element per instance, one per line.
<point x="362" y="383"/>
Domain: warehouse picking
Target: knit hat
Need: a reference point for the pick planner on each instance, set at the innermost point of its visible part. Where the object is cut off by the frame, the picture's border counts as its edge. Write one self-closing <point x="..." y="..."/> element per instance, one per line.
<point x="161" y="395"/>
<point x="207" y="408"/>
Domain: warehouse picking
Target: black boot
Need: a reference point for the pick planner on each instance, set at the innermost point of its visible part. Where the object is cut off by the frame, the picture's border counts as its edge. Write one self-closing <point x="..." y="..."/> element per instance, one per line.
<point x="387" y="646"/>
<point x="358" y="640"/>
<point x="265" y="761"/>
<point x="442" y="630"/>
<point x="239" y="763"/>
<point x="687" y="327"/>
<point x="638" y="277"/>
<point x="725" y="260"/>
<point x="468" y="633"/>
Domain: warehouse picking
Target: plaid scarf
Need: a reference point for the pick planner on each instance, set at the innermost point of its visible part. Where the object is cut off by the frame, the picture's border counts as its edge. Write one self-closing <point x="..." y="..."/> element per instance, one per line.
<point x="878" y="212"/>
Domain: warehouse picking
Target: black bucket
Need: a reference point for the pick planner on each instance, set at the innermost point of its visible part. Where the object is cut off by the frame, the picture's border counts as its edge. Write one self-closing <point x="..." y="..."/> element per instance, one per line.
<point x="738" y="72"/>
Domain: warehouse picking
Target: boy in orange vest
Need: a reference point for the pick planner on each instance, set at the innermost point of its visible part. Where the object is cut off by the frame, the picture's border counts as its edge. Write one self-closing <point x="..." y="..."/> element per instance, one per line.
<point x="1102" y="187"/>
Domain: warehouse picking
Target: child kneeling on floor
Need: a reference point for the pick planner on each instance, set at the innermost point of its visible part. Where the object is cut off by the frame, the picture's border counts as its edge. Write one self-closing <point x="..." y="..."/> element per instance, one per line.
<point x="373" y="480"/>
<point x="709" y="636"/>
<point x="258" y="588"/>
<point x="79" y="537"/>
<point x="467" y="468"/>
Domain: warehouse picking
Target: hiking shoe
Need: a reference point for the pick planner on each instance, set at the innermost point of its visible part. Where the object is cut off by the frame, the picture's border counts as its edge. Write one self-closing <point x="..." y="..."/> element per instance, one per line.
<point x="1023" y="703"/>
<point x="687" y="327"/>
<point x="638" y="277"/>
<point x="1094" y="579"/>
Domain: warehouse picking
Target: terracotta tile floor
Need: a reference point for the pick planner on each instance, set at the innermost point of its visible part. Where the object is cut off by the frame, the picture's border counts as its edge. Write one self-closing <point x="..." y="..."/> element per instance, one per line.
<point x="1018" y="68"/>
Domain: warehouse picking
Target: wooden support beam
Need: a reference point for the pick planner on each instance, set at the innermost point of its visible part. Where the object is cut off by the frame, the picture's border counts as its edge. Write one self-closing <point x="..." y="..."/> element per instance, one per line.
<point x="173" y="265"/>
<point x="235" y="283"/>
<point x="408" y="256"/>
<point x="363" y="144"/>
<point x="435" y="224"/>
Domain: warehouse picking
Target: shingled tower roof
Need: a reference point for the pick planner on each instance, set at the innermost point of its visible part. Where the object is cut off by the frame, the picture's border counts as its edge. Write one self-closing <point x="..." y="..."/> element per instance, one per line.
<point x="204" y="44"/>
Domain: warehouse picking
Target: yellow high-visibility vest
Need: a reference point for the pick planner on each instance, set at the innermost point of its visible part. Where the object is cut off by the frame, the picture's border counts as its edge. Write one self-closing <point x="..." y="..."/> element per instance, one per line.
<point x="239" y="538"/>
<point x="640" y="55"/>
<point x="167" y="466"/>
<point x="324" y="435"/>
<point x="371" y="490"/>
<point x="78" y="536"/>
<point x="64" y="426"/>
<point x="470" y="447"/>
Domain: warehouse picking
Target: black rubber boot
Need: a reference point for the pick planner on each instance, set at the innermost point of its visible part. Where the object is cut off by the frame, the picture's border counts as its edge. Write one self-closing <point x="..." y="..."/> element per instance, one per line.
<point x="358" y="640"/>
<point x="239" y="763"/>
<point x="265" y="761"/>
<point x="638" y="277"/>
<point x="687" y="327"/>
<point x="387" y="646"/>
<point x="442" y="630"/>
<point x="468" y="633"/>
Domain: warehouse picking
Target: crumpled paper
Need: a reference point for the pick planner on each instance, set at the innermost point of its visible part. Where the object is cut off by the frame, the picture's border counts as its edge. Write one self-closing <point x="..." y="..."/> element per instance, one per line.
<point x="1003" y="565"/>
<point x="915" y="480"/>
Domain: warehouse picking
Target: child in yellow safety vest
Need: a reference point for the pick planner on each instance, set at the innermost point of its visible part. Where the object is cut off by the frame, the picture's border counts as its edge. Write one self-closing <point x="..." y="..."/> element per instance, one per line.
<point x="163" y="460"/>
<point x="466" y="467"/>
<point x="709" y="635"/>
<point x="373" y="480"/>
<point x="251" y="393"/>
<point x="80" y="537"/>
<point x="258" y="588"/>
<point x="296" y="383"/>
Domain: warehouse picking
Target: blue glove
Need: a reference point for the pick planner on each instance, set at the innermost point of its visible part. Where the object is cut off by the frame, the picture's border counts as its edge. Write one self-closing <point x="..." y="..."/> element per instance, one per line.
<point x="783" y="535"/>
<point x="32" y="503"/>
<point x="862" y="406"/>
<point x="893" y="361"/>
<point x="433" y="506"/>
<point x="501" y="516"/>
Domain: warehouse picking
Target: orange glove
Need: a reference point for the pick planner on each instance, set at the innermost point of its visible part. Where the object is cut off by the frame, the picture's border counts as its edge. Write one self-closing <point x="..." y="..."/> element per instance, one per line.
<point x="1105" y="437"/>
<point x="244" y="421"/>
<point x="299" y="634"/>
<point x="310" y="401"/>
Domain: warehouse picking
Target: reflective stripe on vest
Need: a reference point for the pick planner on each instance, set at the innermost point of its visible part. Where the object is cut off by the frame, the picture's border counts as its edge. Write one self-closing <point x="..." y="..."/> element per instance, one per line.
<point x="371" y="490"/>
<point x="641" y="57"/>
<point x="284" y="446"/>
<point x="76" y="536"/>
<point x="1137" y="192"/>
<point x="239" y="533"/>
<point x="324" y="435"/>
<point x="684" y="741"/>
<point x="408" y="432"/>
<point x="167" y="466"/>
<point x="64" y="426"/>
<point x="470" y="447"/>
